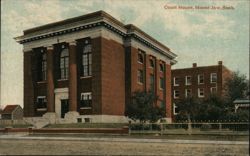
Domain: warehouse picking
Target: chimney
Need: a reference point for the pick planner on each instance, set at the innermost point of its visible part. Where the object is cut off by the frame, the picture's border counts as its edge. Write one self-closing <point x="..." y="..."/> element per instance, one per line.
<point x="194" y="65"/>
<point x="219" y="62"/>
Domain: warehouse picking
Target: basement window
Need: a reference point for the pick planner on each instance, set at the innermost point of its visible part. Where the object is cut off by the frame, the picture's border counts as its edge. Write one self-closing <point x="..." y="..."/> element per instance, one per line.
<point x="41" y="103"/>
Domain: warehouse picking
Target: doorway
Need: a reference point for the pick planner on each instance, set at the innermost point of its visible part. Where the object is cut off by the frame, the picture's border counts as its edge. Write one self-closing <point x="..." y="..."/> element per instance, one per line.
<point x="64" y="107"/>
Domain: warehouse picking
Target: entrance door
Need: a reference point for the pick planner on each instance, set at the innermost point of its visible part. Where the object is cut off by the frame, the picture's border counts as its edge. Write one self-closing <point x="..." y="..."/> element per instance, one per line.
<point x="64" y="107"/>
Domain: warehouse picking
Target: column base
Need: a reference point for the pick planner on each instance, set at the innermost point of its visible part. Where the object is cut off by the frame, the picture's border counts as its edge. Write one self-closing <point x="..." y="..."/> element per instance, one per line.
<point x="71" y="117"/>
<point x="51" y="117"/>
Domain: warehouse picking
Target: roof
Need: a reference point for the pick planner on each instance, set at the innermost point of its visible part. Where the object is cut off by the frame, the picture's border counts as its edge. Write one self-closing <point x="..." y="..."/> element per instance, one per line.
<point x="38" y="33"/>
<point x="9" y="109"/>
<point x="241" y="101"/>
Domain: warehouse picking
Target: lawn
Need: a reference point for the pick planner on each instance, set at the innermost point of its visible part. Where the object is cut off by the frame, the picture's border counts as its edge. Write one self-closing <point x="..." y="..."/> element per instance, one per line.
<point x="88" y="125"/>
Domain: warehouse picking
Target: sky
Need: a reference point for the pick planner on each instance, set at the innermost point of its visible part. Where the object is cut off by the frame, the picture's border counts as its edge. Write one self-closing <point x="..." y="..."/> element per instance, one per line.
<point x="202" y="36"/>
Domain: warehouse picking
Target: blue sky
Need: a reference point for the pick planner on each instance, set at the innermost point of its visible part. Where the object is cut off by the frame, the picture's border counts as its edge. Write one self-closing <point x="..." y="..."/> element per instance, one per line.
<point x="201" y="36"/>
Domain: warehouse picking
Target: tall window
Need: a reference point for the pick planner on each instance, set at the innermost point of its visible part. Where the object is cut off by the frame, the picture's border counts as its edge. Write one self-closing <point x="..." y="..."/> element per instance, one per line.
<point x="213" y="77"/>
<point x="87" y="59"/>
<point x="176" y="111"/>
<point x="188" y="92"/>
<point x="213" y="90"/>
<point x="152" y="82"/>
<point x="200" y="79"/>
<point x="152" y="64"/>
<point x="161" y="67"/>
<point x="176" y="81"/>
<point x="140" y="76"/>
<point x="86" y="100"/>
<point x="64" y="63"/>
<point x="201" y="92"/>
<point x="44" y="66"/>
<point x="41" y="102"/>
<point x="140" y="57"/>
<point x="176" y="94"/>
<point x="161" y="83"/>
<point x="188" y="80"/>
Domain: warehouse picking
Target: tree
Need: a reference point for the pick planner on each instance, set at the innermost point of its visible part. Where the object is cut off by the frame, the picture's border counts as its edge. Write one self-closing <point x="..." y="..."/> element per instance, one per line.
<point x="212" y="108"/>
<point x="142" y="107"/>
<point x="236" y="87"/>
<point x="188" y="109"/>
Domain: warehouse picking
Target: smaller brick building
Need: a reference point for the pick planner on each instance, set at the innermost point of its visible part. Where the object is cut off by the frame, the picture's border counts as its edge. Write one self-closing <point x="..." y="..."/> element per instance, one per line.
<point x="12" y="112"/>
<point x="198" y="82"/>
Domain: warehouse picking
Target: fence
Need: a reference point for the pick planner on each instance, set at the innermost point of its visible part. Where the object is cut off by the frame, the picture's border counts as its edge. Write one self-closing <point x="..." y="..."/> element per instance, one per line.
<point x="191" y="128"/>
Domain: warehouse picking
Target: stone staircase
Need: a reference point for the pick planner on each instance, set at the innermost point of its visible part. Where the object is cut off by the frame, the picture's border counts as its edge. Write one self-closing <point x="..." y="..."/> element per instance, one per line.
<point x="37" y="122"/>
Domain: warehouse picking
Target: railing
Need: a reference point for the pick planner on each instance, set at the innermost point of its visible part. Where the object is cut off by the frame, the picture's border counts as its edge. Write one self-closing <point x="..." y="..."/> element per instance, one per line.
<point x="190" y="128"/>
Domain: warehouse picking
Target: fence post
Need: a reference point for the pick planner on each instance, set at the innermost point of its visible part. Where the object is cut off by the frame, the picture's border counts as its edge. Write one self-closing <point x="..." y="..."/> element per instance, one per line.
<point x="161" y="125"/>
<point x="220" y="126"/>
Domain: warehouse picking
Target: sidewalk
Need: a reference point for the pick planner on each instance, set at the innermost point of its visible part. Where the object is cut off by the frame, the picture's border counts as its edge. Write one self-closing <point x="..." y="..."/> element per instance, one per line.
<point x="119" y="139"/>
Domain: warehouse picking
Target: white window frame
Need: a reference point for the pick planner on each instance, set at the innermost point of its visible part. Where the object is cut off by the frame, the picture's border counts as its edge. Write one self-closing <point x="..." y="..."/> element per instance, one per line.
<point x="212" y="89"/>
<point x="175" y="94"/>
<point x="186" y="92"/>
<point x="138" y="80"/>
<point x="199" y="93"/>
<point x="200" y="78"/>
<point x="143" y="57"/>
<point x="211" y="77"/>
<point x="174" y="107"/>
<point x="81" y="98"/>
<point x="175" y="84"/>
<point x="41" y="97"/>
<point x="188" y="84"/>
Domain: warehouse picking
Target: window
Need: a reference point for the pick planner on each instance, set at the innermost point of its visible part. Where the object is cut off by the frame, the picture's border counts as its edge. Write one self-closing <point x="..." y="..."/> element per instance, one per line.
<point x="188" y="80"/>
<point x="200" y="79"/>
<point x="64" y="63"/>
<point x="161" y="83"/>
<point x="44" y="66"/>
<point x="213" y="90"/>
<point x="140" y="57"/>
<point x="213" y="77"/>
<point x="188" y="92"/>
<point x="151" y="62"/>
<point x="140" y="76"/>
<point x="176" y="110"/>
<point x="86" y="100"/>
<point x="86" y="59"/>
<point x="41" y="103"/>
<point x="200" y="92"/>
<point x="176" y="94"/>
<point x="152" y="82"/>
<point x="162" y="104"/>
<point x="161" y="67"/>
<point x="176" y="81"/>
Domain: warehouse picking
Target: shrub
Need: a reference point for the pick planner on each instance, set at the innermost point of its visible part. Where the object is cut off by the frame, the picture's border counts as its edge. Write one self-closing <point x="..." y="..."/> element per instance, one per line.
<point x="205" y="127"/>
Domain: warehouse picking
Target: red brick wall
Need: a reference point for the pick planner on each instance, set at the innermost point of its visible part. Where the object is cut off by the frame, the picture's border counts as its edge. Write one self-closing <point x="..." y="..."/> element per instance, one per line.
<point x="28" y="85"/>
<point x="112" y="77"/>
<point x="168" y="91"/>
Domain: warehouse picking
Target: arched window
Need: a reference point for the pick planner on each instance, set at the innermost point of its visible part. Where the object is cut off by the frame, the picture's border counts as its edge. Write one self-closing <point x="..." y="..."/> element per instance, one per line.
<point x="140" y="57"/>
<point x="44" y="66"/>
<point x="152" y="64"/>
<point x="86" y="59"/>
<point x="64" y="64"/>
<point x="161" y="67"/>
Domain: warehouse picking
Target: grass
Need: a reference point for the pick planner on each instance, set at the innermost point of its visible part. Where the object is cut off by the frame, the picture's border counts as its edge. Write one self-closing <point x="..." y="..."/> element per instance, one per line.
<point x="16" y="126"/>
<point x="87" y="125"/>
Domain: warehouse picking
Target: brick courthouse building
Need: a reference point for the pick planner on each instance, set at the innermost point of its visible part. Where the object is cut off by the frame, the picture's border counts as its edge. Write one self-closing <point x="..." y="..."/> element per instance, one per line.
<point x="89" y="66"/>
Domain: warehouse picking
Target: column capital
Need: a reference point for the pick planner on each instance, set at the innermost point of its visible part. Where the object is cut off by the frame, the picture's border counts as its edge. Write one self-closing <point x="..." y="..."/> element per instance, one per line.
<point x="50" y="47"/>
<point x="72" y="43"/>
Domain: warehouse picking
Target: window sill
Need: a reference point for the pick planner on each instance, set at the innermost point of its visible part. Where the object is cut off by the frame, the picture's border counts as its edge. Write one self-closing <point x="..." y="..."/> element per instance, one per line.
<point x="40" y="82"/>
<point x="200" y="83"/>
<point x="62" y="80"/>
<point x="139" y="83"/>
<point x="86" y="108"/>
<point x="41" y="109"/>
<point x="188" y="84"/>
<point x="176" y="85"/>
<point x="201" y="96"/>
<point x="213" y="82"/>
<point x="139" y="62"/>
<point x="176" y="97"/>
<point x="85" y="77"/>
